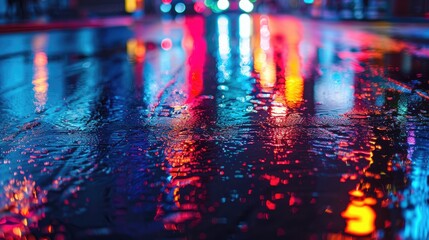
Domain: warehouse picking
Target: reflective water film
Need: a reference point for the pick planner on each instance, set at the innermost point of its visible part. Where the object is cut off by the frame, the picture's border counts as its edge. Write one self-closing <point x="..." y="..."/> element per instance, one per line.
<point x="225" y="127"/>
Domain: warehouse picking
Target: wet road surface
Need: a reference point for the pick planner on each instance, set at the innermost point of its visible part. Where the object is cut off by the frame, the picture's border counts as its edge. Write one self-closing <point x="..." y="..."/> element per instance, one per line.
<point x="227" y="127"/>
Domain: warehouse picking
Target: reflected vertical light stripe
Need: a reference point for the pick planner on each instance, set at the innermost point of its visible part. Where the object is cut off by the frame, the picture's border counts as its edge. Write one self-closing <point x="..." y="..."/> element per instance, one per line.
<point x="195" y="47"/>
<point x="263" y="56"/>
<point x="223" y="30"/>
<point x="245" y="30"/>
<point x="294" y="82"/>
<point x="40" y="80"/>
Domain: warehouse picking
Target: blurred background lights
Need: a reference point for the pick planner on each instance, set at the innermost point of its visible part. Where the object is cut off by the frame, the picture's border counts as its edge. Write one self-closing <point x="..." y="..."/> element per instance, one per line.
<point x="246" y="5"/>
<point x="199" y="7"/>
<point x="165" y="7"/>
<point x="166" y="44"/>
<point x="130" y="6"/>
<point x="223" y="5"/>
<point x="180" y="7"/>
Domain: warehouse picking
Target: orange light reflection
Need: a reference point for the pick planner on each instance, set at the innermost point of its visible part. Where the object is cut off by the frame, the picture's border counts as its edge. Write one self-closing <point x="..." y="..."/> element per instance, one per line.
<point x="182" y="150"/>
<point x="40" y="80"/>
<point x="294" y="82"/>
<point x="359" y="216"/>
<point x="263" y="54"/>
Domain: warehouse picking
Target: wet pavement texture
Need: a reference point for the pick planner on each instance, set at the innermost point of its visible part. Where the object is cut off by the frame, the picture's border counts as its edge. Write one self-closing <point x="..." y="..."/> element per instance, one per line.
<point x="226" y="127"/>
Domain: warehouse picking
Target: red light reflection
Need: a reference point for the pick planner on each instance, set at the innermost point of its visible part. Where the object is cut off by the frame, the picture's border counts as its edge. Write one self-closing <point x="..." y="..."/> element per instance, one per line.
<point x="195" y="46"/>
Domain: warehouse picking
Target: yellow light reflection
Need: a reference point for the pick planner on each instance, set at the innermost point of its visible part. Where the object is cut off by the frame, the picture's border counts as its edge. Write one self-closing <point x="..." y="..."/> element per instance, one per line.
<point x="294" y="82"/>
<point x="40" y="80"/>
<point x="294" y="91"/>
<point x="359" y="216"/>
<point x="268" y="75"/>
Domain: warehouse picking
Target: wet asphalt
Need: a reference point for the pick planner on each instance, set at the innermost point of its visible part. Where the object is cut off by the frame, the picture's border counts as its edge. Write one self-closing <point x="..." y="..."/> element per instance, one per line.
<point x="225" y="127"/>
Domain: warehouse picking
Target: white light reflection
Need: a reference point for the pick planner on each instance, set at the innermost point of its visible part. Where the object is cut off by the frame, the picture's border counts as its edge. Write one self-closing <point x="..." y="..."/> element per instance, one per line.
<point x="223" y="30"/>
<point x="245" y="26"/>
<point x="265" y="34"/>
<point x="224" y="62"/>
<point x="245" y="29"/>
